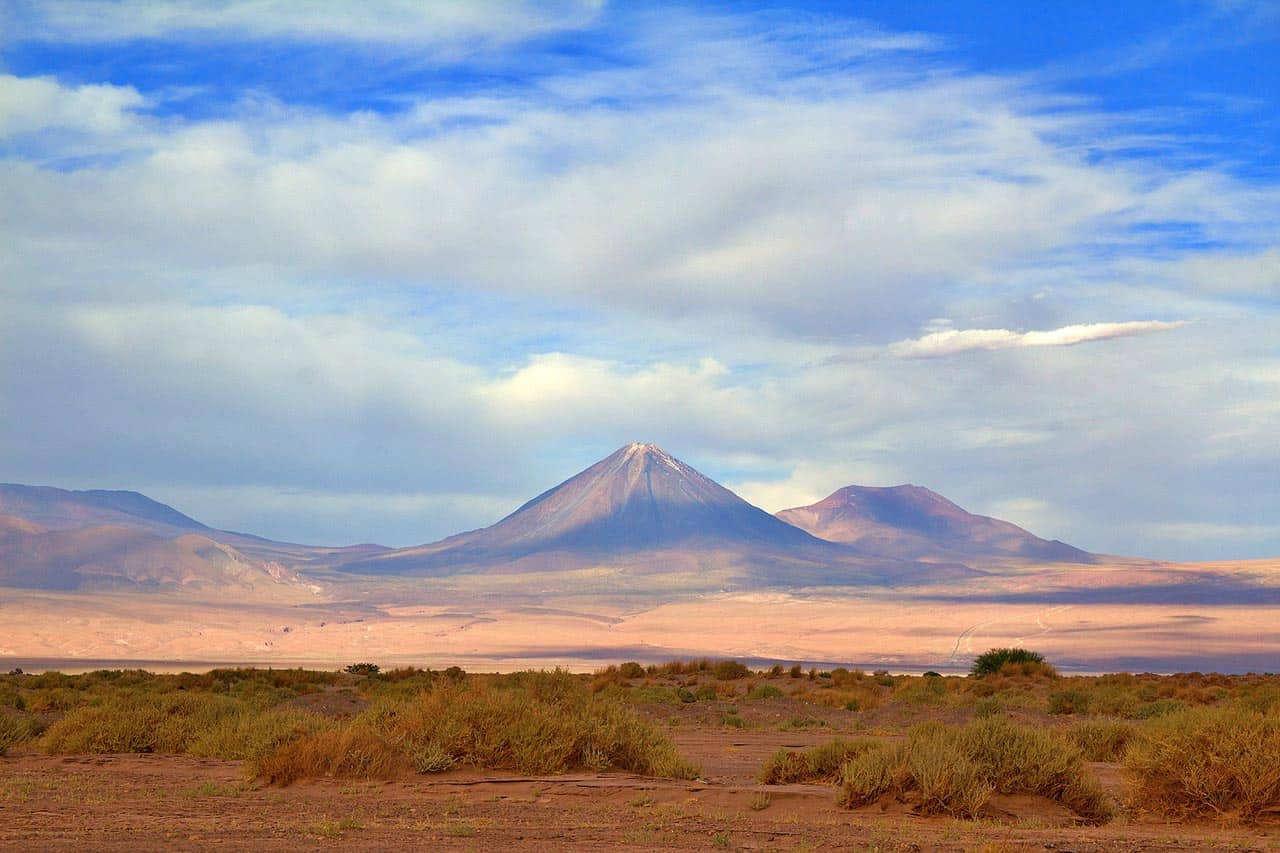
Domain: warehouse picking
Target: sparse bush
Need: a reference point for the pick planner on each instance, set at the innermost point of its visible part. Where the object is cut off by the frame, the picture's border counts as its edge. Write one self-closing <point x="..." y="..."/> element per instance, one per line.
<point x="923" y="691"/>
<point x="821" y="763"/>
<point x="15" y="730"/>
<point x="955" y="771"/>
<point x="1207" y="762"/>
<point x="871" y="775"/>
<point x="987" y="706"/>
<point x="363" y="669"/>
<point x="729" y="670"/>
<point x="764" y="691"/>
<point x="705" y="693"/>
<point x="200" y="724"/>
<point x="631" y="669"/>
<point x="1009" y="661"/>
<point x="1070" y="701"/>
<point x="531" y="723"/>
<point x="796" y="671"/>
<point x="1102" y="740"/>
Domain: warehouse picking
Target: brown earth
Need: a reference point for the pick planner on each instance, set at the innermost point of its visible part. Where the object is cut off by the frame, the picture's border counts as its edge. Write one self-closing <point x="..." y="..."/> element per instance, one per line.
<point x="146" y="802"/>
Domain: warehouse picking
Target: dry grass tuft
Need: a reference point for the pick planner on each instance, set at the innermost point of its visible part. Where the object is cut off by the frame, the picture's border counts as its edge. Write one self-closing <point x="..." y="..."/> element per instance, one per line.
<point x="1102" y="740"/>
<point x="532" y="723"/>
<point x="819" y="764"/>
<point x="1207" y="762"/>
<point x="955" y="771"/>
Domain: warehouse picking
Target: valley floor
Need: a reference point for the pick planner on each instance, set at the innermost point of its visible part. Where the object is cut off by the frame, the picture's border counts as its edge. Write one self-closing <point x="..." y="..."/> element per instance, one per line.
<point x="481" y="624"/>
<point x="146" y="802"/>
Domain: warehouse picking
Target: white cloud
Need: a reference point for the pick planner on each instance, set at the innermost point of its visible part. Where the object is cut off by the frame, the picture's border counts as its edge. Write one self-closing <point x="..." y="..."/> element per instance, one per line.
<point x="425" y="24"/>
<point x="31" y="104"/>
<point x="953" y="341"/>
<point x="423" y="316"/>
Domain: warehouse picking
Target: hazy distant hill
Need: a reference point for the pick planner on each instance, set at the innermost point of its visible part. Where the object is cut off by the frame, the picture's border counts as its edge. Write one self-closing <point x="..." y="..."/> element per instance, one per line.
<point x="912" y="522"/>
<point x="103" y="557"/>
<point x="644" y="509"/>
<point x="64" y="509"/>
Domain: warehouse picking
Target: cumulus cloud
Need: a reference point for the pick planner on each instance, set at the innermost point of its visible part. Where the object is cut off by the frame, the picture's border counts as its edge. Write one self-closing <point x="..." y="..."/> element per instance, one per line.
<point x="953" y="341"/>
<point x="31" y="104"/>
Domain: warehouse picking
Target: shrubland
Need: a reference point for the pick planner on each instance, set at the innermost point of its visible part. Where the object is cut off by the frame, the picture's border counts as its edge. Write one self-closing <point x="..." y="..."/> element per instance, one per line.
<point x="1193" y="746"/>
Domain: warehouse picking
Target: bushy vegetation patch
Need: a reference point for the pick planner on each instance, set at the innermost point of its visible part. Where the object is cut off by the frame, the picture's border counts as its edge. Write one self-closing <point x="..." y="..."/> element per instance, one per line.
<point x="821" y="763"/>
<point x="764" y="691"/>
<point x="1011" y="661"/>
<point x="955" y="771"/>
<point x="200" y="724"/>
<point x="1102" y="740"/>
<point x="536" y="723"/>
<point x="16" y="729"/>
<point x="1207" y="762"/>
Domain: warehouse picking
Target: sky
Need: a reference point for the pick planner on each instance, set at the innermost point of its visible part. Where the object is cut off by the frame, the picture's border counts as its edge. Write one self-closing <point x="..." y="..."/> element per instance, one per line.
<point x="337" y="273"/>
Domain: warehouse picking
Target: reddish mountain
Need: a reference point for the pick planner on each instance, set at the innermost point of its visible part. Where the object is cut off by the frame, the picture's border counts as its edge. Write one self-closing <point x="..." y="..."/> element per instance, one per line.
<point x="912" y="522"/>
<point x="644" y="509"/>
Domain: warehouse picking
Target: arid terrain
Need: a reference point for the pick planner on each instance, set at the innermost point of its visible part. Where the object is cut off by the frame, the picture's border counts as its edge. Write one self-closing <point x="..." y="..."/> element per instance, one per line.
<point x="729" y="722"/>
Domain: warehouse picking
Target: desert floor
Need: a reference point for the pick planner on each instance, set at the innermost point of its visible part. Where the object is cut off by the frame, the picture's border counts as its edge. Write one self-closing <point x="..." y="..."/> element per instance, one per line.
<point x="487" y="630"/>
<point x="143" y="802"/>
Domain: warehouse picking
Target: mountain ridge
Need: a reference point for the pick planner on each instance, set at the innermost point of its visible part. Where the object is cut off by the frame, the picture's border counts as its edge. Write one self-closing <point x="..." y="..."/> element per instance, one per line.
<point x="912" y="521"/>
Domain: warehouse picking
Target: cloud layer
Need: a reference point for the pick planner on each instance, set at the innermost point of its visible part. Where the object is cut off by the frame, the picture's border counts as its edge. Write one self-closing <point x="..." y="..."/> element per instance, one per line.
<point x="405" y="317"/>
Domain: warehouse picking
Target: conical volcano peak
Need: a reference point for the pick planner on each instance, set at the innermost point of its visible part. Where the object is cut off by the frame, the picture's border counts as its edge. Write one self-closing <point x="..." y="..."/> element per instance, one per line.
<point x="639" y="499"/>
<point x="647" y="453"/>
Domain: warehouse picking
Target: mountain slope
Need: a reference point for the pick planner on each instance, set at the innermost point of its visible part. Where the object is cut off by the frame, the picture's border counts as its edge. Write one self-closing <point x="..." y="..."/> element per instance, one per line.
<point x="912" y="522"/>
<point x="124" y="558"/>
<point x="62" y="509"/>
<point x="643" y="510"/>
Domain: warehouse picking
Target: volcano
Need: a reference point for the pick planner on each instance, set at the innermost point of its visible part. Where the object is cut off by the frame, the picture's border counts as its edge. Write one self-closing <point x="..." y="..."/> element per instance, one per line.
<point x="912" y="522"/>
<point x="642" y="509"/>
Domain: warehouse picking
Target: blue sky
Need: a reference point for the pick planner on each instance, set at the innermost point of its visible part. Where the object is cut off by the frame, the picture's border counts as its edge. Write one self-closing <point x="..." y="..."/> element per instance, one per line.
<point x="335" y="273"/>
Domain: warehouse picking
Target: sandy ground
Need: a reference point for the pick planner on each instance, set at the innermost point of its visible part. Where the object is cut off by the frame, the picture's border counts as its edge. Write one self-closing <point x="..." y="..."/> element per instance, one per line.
<point x="41" y="629"/>
<point x="145" y="802"/>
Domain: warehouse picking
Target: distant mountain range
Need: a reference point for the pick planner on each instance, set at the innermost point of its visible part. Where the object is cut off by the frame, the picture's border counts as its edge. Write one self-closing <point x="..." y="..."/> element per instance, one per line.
<point x="639" y="510"/>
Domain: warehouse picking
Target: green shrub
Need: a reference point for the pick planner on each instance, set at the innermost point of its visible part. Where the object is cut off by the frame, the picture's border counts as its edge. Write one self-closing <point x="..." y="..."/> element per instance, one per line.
<point x="363" y="669"/>
<point x="996" y="660"/>
<point x="1207" y="762"/>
